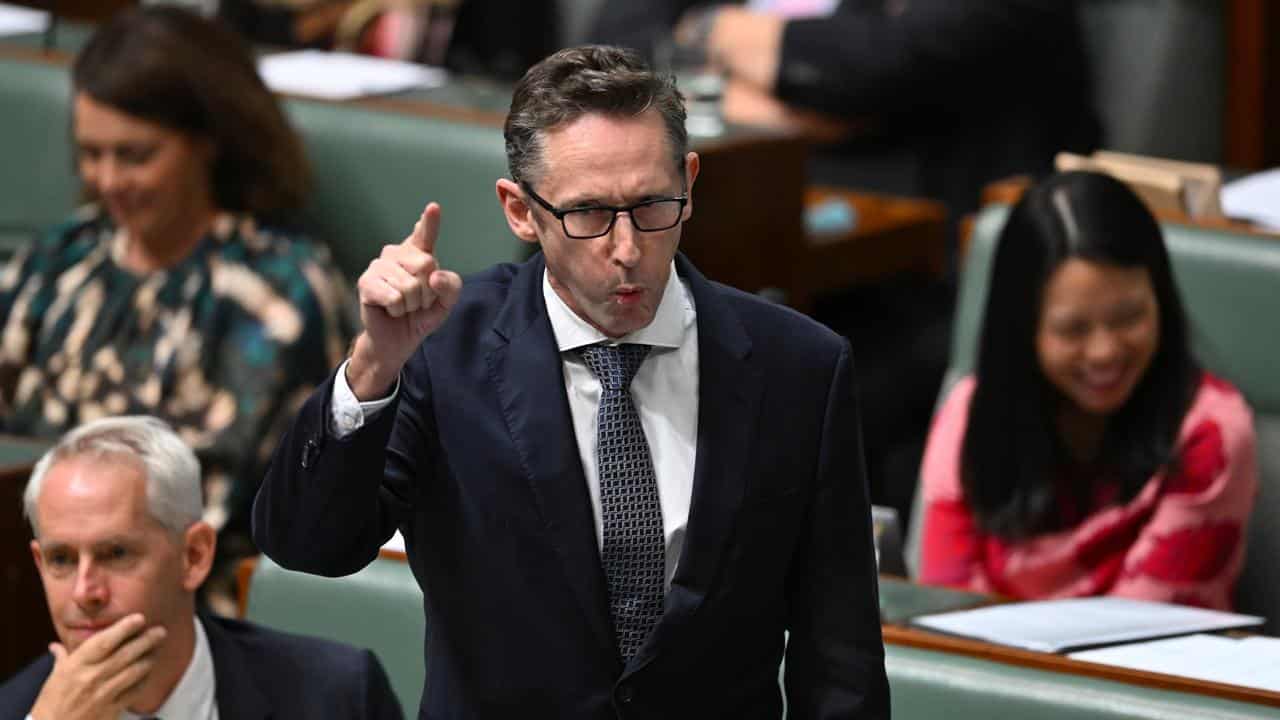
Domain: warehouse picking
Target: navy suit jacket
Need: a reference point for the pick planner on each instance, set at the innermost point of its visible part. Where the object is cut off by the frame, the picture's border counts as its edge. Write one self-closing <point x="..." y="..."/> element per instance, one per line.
<point x="262" y="674"/>
<point x="478" y="466"/>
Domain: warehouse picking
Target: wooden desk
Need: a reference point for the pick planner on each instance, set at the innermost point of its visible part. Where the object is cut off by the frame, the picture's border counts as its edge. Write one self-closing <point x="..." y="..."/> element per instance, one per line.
<point x="901" y="634"/>
<point x="24" y="616"/>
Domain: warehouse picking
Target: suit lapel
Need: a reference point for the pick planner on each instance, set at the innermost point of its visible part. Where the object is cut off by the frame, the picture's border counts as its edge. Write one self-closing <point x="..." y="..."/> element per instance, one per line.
<point x="237" y="691"/>
<point x="728" y="398"/>
<point x="529" y="379"/>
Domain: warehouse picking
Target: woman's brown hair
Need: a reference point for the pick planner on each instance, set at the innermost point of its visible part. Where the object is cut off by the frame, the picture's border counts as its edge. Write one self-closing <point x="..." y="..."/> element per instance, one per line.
<point x="177" y="69"/>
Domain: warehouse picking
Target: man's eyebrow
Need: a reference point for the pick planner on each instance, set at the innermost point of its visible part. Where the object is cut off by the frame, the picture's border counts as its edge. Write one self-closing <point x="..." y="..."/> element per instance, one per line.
<point x="586" y="201"/>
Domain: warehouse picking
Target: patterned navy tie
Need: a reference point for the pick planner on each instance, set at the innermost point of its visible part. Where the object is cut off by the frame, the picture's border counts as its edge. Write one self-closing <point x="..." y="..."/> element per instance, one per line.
<point x="633" y="550"/>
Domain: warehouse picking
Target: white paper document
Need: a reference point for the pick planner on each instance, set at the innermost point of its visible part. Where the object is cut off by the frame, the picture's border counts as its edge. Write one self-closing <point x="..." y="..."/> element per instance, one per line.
<point x="343" y="76"/>
<point x="396" y="543"/>
<point x="16" y="20"/>
<point x="1251" y="662"/>
<point x="1058" y="625"/>
<point x="1255" y="198"/>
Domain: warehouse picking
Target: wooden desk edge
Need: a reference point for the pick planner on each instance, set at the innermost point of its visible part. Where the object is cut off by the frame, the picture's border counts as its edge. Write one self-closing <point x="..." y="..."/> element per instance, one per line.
<point x="911" y="637"/>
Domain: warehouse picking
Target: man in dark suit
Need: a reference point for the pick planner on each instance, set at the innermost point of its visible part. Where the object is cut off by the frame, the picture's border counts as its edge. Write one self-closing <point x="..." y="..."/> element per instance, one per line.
<point x="115" y="507"/>
<point x="620" y="485"/>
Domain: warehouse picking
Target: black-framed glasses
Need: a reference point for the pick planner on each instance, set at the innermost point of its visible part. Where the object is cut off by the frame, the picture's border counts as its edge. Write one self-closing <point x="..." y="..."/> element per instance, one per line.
<point x="597" y="220"/>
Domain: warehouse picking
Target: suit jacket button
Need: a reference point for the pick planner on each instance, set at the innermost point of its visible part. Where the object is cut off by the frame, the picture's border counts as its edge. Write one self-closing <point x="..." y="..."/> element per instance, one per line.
<point x="310" y="449"/>
<point x="626" y="694"/>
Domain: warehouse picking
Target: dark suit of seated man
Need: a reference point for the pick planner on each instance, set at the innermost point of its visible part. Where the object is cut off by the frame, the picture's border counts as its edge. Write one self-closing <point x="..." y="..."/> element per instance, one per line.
<point x="115" y="507"/>
<point x="620" y="484"/>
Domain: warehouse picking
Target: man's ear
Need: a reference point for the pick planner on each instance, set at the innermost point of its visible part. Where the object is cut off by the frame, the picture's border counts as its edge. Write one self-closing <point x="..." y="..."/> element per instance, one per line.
<point x="691" y="166"/>
<point x="37" y="556"/>
<point x="517" y="210"/>
<point x="198" y="545"/>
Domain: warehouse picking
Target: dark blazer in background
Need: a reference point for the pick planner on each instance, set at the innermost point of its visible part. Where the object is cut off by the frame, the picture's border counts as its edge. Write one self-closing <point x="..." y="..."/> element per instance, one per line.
<point x="954" y="93"/>
<point x="261" y="674"/>
<point x="483" y="478"/>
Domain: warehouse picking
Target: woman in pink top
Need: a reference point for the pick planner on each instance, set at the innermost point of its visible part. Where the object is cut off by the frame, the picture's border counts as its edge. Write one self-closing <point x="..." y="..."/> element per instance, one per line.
<point x="1090" y="454"/>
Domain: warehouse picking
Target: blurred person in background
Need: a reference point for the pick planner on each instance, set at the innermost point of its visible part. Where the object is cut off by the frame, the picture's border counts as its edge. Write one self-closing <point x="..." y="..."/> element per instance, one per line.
<point x="168" y="294"/>
<point x="928" y="98"/>
<point x="492" y="38"/>
<point x="1089" y="454"/>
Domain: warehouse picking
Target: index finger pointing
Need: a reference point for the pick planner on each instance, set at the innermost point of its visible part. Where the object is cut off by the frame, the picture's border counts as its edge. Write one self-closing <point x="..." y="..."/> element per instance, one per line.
<point x="427" y="229"/>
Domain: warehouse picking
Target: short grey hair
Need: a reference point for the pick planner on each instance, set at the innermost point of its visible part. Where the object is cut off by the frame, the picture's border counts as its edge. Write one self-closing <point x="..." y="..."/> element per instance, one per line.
<point x="170" y="468"/>
<point x="590" y="79"/>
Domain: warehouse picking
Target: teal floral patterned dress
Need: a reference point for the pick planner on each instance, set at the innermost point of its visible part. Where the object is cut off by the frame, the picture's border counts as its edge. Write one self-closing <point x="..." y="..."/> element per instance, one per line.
<point x="224" y="346"/>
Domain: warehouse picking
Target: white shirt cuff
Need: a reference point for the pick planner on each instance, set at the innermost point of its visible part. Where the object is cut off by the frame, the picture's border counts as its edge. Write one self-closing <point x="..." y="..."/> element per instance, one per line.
<point x="346" y="413"/>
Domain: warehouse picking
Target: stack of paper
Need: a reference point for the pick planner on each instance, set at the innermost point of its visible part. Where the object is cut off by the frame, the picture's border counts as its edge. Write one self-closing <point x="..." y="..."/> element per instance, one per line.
<point x="1058" y="625"/>
<point x="16" y="20"/>
<point x="343" y="76"/>
<point x="1255" y="198"/>
<point x="1250" y="662"/>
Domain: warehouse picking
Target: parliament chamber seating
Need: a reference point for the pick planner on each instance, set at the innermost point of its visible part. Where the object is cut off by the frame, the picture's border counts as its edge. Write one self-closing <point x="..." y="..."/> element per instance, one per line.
<point x="372" y="173"/>
<point x="1230" y="285"/>
<point x="38" y="186"/>
<point x="380" y="608"/>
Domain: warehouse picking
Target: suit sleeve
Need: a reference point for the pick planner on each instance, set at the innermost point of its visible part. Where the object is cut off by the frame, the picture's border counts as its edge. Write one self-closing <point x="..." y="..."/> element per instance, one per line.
<point x="328" y="504"/>
<point x="928" y="56"/>
<point x="835" y="654"/>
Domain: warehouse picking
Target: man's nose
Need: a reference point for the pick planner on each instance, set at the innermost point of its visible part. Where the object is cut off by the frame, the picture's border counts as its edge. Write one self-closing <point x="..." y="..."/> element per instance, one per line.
<point x="626" y="240"/>
<point x="91" y="589"/>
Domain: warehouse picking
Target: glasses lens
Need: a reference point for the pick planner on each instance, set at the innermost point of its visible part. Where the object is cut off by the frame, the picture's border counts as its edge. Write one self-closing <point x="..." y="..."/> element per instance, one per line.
<point x="658" y="215"/>
<point x="587" y="223"/>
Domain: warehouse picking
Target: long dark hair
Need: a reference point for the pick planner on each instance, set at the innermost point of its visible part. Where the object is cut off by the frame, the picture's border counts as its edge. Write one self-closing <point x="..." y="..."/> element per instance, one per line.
<point x="1012" y="450"/>
<point x="177" y="69"/>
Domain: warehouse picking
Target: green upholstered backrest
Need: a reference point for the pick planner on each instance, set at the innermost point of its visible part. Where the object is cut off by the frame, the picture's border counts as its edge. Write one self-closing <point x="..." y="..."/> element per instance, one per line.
<point x="379" y="608"/>
<point x="931" y="684"/>
<point x="1230" y="286"/>
<point x="38" y="186"/>
<point x="375" y="170"/>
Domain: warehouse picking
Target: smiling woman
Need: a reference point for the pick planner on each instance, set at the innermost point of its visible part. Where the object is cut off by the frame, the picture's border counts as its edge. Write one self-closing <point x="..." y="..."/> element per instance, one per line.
<point x="169" y="294"/>
<point x="1089" y="454"/>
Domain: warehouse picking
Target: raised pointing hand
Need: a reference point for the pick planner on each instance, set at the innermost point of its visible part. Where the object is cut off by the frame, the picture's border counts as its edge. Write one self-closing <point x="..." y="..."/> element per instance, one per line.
<point x="404" y="297"/>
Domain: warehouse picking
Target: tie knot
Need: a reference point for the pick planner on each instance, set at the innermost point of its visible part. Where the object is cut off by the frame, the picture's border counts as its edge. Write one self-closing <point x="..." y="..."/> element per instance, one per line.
<point x="615" y="365"/>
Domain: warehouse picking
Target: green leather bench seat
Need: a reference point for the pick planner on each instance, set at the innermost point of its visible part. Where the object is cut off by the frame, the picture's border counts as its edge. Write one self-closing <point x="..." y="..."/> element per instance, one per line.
<point x="374" y="171"/>
<point x="38" y="186"/>
<point x="1230" y="285"/>
<point x="379" y="608"/>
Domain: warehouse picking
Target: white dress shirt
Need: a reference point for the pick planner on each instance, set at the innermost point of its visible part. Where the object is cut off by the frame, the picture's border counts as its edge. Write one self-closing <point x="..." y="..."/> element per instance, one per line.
<point x="665" y="392"/>
<point x="195" y="695"/>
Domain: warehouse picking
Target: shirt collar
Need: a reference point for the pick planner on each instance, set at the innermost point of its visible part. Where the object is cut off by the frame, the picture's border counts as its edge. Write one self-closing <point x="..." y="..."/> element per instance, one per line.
<point x="193" y="696"/>
<point x="674" y="314"/>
